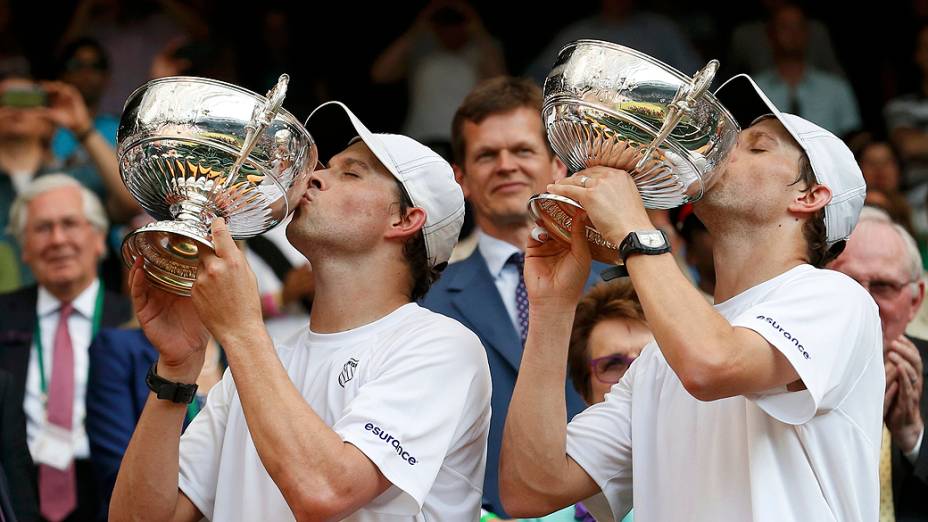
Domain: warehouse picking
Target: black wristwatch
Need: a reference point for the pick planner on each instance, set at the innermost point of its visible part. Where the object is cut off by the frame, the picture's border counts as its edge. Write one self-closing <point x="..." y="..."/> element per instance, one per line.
<point x="167" y="390"/>
<point x="648" y="242"/>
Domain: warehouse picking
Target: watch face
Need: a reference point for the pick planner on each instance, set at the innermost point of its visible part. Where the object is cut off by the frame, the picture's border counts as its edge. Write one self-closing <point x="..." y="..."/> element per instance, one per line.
<point x="651" y="239"/>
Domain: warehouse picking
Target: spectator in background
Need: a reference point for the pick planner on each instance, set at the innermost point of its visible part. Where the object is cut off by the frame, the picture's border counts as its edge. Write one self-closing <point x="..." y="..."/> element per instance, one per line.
<point x="45" y="334"/>
<point x="83" y="63"/>
<point x="620" y="21"/>
<point x="442" y="57"/>
<point x="133" y="32"/>
<point x="880" y="167"/>
<point x="907" y="122"/>
<point x="26" y="128"/>
<point x="609" y="332"/>
<point x="796" y="85"/>
<point x="280" y="48"/>
<point x="750" y="50"/>
<point x="882" y="257"/>
<point x="502" y="158"/>
<point x="907" y="118"/>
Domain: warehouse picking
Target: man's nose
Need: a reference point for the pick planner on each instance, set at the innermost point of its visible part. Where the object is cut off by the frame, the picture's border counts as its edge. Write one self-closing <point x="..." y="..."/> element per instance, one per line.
<point x="506" y="161"/>
<point x="317" y="179"/>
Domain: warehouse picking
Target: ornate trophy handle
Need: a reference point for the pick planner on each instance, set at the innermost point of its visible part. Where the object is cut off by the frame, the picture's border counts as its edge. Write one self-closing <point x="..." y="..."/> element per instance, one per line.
<point x="683" y="102"/>
<point x="261" y="118"/>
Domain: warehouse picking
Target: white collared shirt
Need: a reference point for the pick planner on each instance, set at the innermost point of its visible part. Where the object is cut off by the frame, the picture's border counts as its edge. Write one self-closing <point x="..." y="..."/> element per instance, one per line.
<point x="80" y="326"/>
<point x="496" y="252"/>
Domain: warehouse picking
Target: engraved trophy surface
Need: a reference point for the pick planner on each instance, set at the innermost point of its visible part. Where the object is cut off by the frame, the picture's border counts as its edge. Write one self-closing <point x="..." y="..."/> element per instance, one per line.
<point x="609" y="105"/>
<point x="193" y="149"/>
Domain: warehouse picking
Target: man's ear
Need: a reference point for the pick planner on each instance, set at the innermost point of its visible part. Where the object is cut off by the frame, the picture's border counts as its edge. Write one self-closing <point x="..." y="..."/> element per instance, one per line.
<point x="811" y="200"/>
<point x="917" y="298"/>
<point x="405" y="226"/>
<point x="459" y="177"/>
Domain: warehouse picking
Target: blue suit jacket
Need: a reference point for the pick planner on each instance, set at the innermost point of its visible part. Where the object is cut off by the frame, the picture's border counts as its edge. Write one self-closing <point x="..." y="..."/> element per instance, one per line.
<point x="116" y="395"/>
<point x="467" y="292"/>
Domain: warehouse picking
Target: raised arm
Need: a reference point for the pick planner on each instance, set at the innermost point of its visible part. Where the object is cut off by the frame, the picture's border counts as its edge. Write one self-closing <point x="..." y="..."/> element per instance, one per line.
<point x="536" y="474"/>
<point x="712" y="358"/>
<point x="147" y="483"/>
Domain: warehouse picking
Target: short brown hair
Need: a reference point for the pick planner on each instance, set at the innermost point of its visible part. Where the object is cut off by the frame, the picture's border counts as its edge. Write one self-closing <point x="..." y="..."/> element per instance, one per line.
<point x="493" y="96"/>
<point x="612" y="300"/>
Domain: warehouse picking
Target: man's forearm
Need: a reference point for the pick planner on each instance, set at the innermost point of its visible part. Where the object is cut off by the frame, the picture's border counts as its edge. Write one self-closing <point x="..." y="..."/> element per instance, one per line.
<point x="302" y="454"/>
<point x="533" y="459"/>
<point x="147" y="484"/>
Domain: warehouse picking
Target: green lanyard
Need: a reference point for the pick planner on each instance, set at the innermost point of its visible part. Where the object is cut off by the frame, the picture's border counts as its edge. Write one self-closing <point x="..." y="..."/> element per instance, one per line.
<point x="37" y="335"/>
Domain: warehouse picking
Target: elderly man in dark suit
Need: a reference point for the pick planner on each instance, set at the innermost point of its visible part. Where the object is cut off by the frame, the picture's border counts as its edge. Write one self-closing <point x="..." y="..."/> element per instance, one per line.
<point x="501" y="158"/>
<point x="46" y="331"/>
<point x="885" y="259"/>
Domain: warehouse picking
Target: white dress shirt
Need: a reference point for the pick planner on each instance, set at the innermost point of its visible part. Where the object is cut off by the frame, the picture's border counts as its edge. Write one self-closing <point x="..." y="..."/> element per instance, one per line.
<point x="496" y="252"/>
<point x="80" y="326"/>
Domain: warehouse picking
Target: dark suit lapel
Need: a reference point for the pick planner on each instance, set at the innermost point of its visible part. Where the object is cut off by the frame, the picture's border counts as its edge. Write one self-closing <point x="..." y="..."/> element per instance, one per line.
<point x="116" y="309"/>
<point x="476" y="298"/>
<point x="17" y="323"/>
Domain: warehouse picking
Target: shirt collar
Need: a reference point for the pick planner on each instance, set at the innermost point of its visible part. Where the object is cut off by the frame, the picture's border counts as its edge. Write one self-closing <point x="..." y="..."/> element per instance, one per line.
<point x="495" y="252"/>
<point x="84" y="304"/>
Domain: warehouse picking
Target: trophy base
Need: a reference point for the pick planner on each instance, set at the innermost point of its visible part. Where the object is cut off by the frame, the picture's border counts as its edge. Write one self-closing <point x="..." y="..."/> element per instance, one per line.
<point x="170" y="250"/>
<point x="556" y="214"/>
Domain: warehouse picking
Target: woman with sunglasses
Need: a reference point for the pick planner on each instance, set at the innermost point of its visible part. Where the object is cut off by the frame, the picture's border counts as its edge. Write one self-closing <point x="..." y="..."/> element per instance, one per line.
<point x="608" y="334"/>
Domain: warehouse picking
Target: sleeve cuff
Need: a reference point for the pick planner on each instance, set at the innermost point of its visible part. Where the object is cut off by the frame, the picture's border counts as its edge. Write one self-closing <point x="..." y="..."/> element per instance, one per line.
<point x="190" y="491"/>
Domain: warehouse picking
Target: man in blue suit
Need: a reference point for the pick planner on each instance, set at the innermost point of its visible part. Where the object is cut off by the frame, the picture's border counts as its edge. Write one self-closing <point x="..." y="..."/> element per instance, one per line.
<point x="502" y="158"/>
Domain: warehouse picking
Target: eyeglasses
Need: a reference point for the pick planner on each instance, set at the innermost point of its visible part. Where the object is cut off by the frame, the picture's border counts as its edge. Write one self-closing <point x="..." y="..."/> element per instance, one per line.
<point x="68" y="226"/>
<point x="881" y="289"/>
<point x="611" y="368"/>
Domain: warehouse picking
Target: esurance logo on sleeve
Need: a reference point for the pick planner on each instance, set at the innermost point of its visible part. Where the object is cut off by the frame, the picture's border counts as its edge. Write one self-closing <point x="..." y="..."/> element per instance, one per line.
<point x="789" y="337"/>
<point x="395" y="443"/>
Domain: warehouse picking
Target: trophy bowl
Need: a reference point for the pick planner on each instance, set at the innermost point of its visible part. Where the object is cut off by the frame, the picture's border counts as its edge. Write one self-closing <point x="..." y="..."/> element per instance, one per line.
<point x="609" y="105"/>
<point x="193" y="149"/>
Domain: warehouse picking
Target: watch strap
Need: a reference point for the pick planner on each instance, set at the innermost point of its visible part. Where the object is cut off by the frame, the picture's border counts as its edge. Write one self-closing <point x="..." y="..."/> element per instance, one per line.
<point x="169" y="390"/>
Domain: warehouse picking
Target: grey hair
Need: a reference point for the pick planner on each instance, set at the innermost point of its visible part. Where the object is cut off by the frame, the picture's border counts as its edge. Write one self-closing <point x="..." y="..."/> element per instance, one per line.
<point x="880" y="216"/>
<point x="93" y="209"/>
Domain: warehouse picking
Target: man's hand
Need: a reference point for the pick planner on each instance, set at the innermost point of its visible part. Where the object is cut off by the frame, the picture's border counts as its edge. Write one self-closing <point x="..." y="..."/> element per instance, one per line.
<point x="609" y="197"/>
<point x="555" y="272"/>
<point x="226" y="291"/>
<point x="67" y="108"/>
<point x="903" y="417"/>
<point x="171" y="324"/>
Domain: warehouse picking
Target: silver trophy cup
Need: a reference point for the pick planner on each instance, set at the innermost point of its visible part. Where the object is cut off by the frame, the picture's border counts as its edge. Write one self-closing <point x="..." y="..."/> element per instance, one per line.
<point x="609" y="105"/>
<point x="193" y="149"/>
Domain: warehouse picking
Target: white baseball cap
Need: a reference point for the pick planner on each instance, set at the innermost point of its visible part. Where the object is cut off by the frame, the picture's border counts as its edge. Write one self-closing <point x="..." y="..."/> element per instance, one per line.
<point x="425" y="176"/>
<point x="832" y="162"/>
